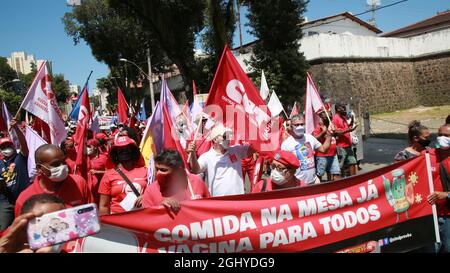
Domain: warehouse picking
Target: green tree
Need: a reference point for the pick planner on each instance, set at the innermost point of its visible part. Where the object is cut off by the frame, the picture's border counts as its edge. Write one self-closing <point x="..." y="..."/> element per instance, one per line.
<point x="12" y="100"/>
<point x="275" y="23"/>
<point x="112" y="36"/>
<point x="60" y="88"/>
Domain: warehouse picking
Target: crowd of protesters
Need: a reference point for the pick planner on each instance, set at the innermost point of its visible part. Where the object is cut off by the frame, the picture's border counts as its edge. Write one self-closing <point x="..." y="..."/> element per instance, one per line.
<point x="116" y="169"/>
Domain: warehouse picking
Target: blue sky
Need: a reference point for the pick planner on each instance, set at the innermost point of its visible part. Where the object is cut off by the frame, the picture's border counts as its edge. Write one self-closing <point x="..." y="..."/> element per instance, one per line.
<point x="36" y="27"/>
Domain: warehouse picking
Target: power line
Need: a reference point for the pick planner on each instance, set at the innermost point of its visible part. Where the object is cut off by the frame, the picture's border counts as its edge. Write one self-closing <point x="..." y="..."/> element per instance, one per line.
<point x="381" y="7"/>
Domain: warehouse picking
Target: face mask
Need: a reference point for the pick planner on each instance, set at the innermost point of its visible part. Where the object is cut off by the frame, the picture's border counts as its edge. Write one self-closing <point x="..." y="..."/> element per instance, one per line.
<point x="277" y="177"/>
<point x="443" y="141"/>
<point x="424" y="142"/>
<point x="120" y="129"/>
<point x="58" y="174"/>
<point x="90" y="151"/>
<point x="8" y="152"/>
<point x="124" y="156"/>
<point x="225" y="144"/>
<point x="162" y="178"/>
<point x="299" y="131"/>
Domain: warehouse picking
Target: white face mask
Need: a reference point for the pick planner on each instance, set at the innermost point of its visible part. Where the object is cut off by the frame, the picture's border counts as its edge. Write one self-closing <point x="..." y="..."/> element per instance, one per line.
<point x="58" y="174"/>
<point x="89" y="150"/>
<point x="225" y="144"/>
<point x="443" y="141"/>
<point x="299" y="131"/>
<point x="277" y="177"/>
<point x="8" y="152"/>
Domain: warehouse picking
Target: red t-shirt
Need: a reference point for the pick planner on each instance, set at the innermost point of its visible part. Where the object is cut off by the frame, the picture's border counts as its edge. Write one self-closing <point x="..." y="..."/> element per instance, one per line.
<point x="332" y="150"/>
<point x="269" y="185"/>
<point x="153" y="197"/>
<point x="74" y="191"/>
<point x="114" y="185"/>
<point x="99" y="162"/>
<point x="344" y="140"/>
<point x="436" y="160"/>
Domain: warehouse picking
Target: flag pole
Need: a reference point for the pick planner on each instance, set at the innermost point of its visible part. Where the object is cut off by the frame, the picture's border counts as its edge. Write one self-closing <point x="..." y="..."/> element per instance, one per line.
<point x="196" y="134"/>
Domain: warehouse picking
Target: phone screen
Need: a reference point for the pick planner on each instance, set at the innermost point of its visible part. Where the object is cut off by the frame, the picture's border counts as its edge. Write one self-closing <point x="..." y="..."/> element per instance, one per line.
<point x="62" y="226"/>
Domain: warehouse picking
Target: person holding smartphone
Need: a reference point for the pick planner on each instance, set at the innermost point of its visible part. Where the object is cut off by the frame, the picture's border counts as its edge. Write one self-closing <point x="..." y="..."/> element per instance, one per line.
<point x="126" y="181"/>
<point x="14" y="239"/>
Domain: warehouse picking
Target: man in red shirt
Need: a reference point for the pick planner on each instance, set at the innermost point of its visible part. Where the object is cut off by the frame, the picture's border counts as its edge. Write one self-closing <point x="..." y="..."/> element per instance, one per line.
<point x="282" y="174"/>
<point x="172" y="185"/>
<point x="343" y="140"/>
<point x="326" y="162"/>
<point x="52" y="177"/>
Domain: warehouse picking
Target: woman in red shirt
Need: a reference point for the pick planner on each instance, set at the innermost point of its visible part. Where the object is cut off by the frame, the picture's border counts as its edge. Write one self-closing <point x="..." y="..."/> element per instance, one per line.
<point x="172" y="185"/>
<point x="96" y="166"/>
<point x="114" y="188"/>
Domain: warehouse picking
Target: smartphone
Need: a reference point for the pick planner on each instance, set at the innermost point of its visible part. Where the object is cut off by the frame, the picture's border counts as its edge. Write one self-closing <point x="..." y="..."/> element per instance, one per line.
<point x="62" y="226"/>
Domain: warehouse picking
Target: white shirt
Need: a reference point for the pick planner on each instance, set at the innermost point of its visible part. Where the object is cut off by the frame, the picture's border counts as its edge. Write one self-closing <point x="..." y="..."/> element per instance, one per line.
<point x="224" y="171"/>
<point x="303" y="149"/>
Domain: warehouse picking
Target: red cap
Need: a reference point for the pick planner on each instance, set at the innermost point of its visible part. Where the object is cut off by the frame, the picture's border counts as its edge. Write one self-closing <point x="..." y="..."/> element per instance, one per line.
<point x="5" y="140"/>
<point x="286" y="158"/>
<point x="93" y="142"/>
<point x="101" y="136"/>
<point x="122" y="141"/>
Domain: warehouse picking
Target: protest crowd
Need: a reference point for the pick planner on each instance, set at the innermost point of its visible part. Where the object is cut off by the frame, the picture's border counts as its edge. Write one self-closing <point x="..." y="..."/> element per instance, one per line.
<point x="179" y="154"/>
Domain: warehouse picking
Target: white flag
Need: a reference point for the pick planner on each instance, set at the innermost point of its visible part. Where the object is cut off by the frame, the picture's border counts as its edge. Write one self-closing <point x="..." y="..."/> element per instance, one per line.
<point x="275" y="105"/>
<point x="312" y="105"/>
<point x="34" y="141"/>
<point x="12" y="133"/>
<point x="41" y="102"/>
<point x="264" y="90"/>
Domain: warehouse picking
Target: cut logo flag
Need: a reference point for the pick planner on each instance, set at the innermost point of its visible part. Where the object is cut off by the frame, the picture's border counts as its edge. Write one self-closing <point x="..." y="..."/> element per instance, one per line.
<point x="313" y="103"/>
<point x="152" y="141"/>
<point x="6" y="116"/>
<point x="275" y="105"/>
<point x="196" y="108"/>
<point x="234" y="101"/>
<point x="264" y="90"/>
<point x="41" y="102"/>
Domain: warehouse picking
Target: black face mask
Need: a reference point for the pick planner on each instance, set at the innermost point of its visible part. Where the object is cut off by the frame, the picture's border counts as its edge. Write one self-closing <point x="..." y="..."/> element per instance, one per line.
<point x="125" y="156"/>
<point x="424" y="142"/>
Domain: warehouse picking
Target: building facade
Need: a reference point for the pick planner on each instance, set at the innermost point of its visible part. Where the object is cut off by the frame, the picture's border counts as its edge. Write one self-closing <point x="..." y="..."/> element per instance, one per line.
<point x="23" y="63"/>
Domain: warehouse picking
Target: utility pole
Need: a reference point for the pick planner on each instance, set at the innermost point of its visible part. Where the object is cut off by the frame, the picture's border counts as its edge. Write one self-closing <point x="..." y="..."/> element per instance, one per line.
<point x="150" y="83"/>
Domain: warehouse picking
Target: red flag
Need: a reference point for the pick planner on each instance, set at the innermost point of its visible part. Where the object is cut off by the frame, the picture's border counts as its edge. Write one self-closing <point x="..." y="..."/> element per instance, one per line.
<point x="170" y="139"/>
<point x="242" y="108"/>
<point x="3" y="125"/>
<point x="41" y="128"/>
<point x="313" y="103"/>
<point x="122" y="107"/>
<point x="294" y="110"/>
<point x="80" y="136"/>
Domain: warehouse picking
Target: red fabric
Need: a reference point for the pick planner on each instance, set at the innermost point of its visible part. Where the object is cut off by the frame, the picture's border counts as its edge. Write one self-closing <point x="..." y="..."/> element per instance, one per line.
<point x="294" y="110"/>
<point x="41" y="128"/>
<point x="332" y="150"/>
<point x="114" y="185"/>
<point x="97" y="163"/>
<point x="269" y="185"/>
<point x="232" y="86"/>
<point x="243" y="214"/>
<point x="153" y="196"/>
<point x="80" y="136"/>
<point x="74" y="191"/>
<point x="169" y="141"/>
<point x="436" y="157"/>
<point x="344" y="140"/>
<point x="122" y="107"/>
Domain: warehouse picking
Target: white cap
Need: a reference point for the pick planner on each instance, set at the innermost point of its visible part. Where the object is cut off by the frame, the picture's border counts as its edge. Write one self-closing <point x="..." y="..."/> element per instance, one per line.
<point x="219" y="130"/>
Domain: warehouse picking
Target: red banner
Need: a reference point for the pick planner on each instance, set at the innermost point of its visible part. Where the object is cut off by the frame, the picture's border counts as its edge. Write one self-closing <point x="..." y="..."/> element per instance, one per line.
<point x="387" y="206"/>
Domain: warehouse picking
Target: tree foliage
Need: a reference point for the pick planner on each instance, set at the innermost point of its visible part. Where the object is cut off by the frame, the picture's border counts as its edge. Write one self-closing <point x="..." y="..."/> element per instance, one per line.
<point x="275" y="23"/>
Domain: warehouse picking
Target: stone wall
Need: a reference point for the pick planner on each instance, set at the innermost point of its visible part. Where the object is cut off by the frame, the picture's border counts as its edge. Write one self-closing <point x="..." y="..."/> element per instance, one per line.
<point x="385" y="85"/>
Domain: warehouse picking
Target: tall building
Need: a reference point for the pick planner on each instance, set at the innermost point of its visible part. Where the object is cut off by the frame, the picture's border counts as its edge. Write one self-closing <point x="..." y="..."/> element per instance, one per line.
<point x="23" y="63"/>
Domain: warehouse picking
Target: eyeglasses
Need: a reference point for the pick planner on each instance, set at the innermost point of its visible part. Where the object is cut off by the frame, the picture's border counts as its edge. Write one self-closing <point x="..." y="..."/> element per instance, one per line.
<point x="278" y="168"/>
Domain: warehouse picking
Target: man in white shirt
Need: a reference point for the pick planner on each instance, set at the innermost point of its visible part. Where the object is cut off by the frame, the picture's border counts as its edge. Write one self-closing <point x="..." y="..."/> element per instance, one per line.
<point x="303" y="146"/>
<point x="221" y="163"/>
